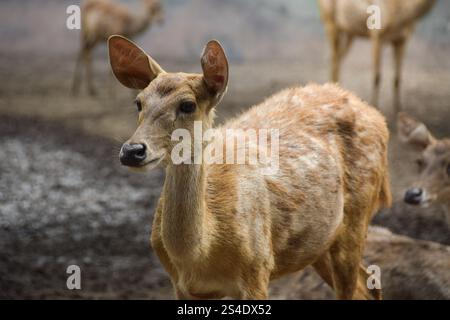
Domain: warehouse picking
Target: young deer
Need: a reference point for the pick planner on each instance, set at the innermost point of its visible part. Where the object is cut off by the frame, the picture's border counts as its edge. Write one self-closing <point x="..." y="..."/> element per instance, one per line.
<point x="346" y="19"/>
<point x="227" y="229"/>
<point x="433" y="185"/>
<point x="102" y="18"/>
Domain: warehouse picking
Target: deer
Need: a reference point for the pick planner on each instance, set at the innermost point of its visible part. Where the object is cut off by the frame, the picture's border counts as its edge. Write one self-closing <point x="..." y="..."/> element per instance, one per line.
<point x="402" y="261"/>
<point x="103" y="18"/>
<point x="346" y="19"/>
<point x="433" y="185"/>
<point x="227" y="229"/>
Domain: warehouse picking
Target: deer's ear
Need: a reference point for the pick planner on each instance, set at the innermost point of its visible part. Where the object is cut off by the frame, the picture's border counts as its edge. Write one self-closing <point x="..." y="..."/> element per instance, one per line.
<point x="215" y="68"/>
<point x="130" y="64"/>
<point x="413" y="132"/>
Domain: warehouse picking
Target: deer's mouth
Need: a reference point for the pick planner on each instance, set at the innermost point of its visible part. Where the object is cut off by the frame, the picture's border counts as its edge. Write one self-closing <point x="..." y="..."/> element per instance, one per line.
<point x="147" y="165"/>
<point x="428" y="200"/>
<point x="425" y="203"/>
<point x="152" y="162"/>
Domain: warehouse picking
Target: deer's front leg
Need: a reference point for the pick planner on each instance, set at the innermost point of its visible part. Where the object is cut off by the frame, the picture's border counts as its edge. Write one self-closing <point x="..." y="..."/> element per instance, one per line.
<point x="255" y="286"/>
<point x="334" y="38"/>
<point x="376" y="48"/>
<point x="399" y="53"/>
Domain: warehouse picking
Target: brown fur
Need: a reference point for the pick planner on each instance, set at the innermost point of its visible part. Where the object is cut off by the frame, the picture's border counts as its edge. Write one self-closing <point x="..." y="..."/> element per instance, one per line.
<point x="102" y="18"/>
<point x="226" y="229"/>
<point x="346" y="19"/>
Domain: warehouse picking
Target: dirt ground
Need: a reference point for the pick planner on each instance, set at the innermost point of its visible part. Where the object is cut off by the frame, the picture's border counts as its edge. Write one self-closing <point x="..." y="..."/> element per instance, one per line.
<point x="64" y="198"/>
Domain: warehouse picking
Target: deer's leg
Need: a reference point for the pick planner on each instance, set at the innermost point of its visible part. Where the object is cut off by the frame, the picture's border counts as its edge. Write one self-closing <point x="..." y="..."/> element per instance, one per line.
<point x="349" y="277"/>
<point x="362" y="291"/>
<point x="77" y="73"/>
<point x="255" y="293"/>
<point x="88" y="63"/>
<point x="345" y="260"/>
<point x="335" y="56"/>
<point x="399" y="53"/>
<point x="348" y="274"/>
<point x="256" y="286"/>
<point x="334" y="41"/>
<point x="376" y="48"/>
<point x="345" y="48"/>
<point x="181" y="296"/>
<point x="324" y="268"/>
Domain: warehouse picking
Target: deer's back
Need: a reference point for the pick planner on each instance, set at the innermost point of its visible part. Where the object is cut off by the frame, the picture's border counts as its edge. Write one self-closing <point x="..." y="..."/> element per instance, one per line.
<point x="332" y="161"/>
<point x="102" y="18"/>
<point x="321" y="114"/>
<point x="330" y="127"/>
<point x="351" y="16"/>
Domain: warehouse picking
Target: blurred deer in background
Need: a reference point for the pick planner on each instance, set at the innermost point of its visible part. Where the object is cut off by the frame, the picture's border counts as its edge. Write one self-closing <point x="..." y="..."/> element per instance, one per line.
<point x="228" y="229"/>
<point x="103" y="18"/>
<point x="346" y="19"/>
<point x="433" y="185"/>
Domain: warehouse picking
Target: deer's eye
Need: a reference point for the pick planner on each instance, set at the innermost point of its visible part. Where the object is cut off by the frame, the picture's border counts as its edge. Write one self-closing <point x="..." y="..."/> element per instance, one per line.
<point x="138" y="104"/>
<point x="187" y="107"/>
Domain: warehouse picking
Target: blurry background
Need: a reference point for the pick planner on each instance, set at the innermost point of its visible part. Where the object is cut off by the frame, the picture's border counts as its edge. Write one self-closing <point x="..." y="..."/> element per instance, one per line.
<point x="63" y="197"/>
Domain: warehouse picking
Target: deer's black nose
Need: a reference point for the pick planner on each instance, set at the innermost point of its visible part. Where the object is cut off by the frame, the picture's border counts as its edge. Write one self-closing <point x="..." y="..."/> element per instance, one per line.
<point x="413" y="196"/>
<point x="133" y="154"/>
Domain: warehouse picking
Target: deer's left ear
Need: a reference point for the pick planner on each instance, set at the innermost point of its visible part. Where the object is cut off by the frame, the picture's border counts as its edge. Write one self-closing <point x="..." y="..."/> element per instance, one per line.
<point x="130" y="64"/>
<point x="413" y="132"/>
<point x="215" y="68"/>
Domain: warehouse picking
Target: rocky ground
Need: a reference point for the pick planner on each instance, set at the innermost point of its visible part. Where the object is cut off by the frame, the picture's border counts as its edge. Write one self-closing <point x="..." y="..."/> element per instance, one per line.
<point x="64" y="200"/>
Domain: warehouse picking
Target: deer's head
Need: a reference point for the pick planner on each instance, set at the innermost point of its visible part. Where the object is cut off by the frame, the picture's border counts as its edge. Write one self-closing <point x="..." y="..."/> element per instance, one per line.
<point x="433" y="184"/>
<point x="166" y="101"/>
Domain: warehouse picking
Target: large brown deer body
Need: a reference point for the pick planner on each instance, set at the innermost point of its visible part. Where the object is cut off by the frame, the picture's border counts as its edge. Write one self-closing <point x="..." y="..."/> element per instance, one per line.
<point x="227" y="229"/>
<point x="102" y="18"/>
<point x="346" y="19"/>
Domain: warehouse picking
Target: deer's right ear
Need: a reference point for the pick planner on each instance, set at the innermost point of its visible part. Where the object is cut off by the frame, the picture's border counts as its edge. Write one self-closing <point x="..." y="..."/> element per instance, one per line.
<point x="130" y="64"/>
<point x="215" y="68"/>
<point x="413" y="132"/>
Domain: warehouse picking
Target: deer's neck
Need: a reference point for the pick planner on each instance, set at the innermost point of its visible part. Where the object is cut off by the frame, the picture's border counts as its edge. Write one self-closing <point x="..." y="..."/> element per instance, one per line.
<point x="185" y="221"/>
